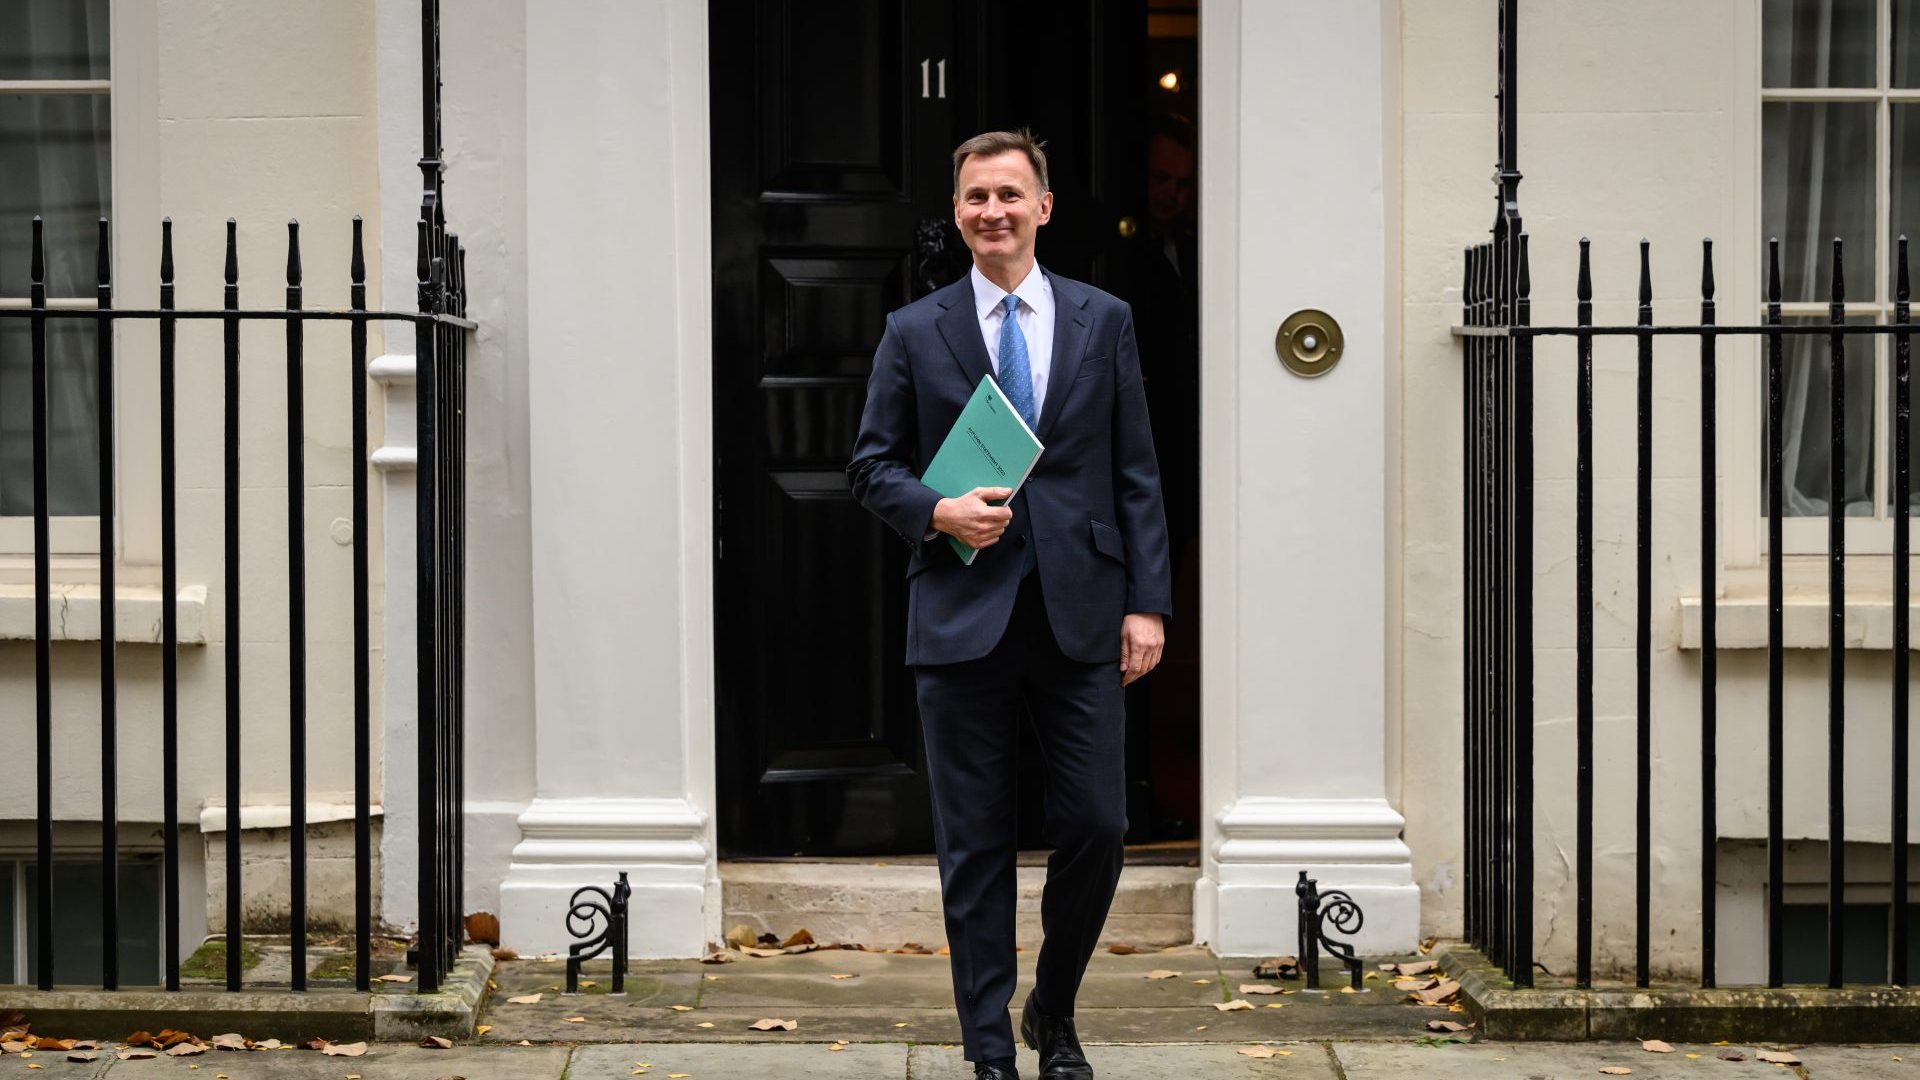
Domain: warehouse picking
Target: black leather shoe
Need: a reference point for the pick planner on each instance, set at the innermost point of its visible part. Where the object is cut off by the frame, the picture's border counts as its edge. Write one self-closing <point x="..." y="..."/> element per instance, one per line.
<point x="1052" y="1037"/>
<point x="986" y="1070"/>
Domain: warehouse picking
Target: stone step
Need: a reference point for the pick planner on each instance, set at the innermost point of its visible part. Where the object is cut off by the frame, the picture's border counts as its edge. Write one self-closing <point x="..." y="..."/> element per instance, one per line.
<point x="885" y="905"/>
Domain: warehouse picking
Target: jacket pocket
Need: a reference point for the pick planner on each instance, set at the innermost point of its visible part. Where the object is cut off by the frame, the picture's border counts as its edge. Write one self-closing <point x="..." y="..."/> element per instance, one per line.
<point x="1107" y="541"/>
<point x="1094" y="365"/>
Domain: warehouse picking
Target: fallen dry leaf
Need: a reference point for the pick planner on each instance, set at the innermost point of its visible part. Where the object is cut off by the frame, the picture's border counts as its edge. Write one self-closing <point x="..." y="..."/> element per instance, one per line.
<point x="943" y="951"/>
<point x="1121" y="948"/>
<point x="1255" y="1051"/>
<point x="753" y="950"/>
<point x="704" y="1024"/>
<point x="232" y="1040"/>
<point x="1414" y="986"/>
<point x="524" y="999"/>
<point x="1437" y="994"/>
<point x="1235" y="1005"/>
<point x="393" y="977"/>
<point x="802" y="936"/>
<point x="1445" y="1025"/>
<point x="134" y="1053"/>
<point x="82" y="1056"/>
<point x="717" y="957"/>
<point x="1203" y="982"/>
<point x="353" y="1049"/>
<point x="1417" y="967"/>
<point x="1655" y="1046"/>
<point x="771" y="1025"/>
<point x="1778" y="1057"/>
<point x="505" y="954"/>
<point x="483" y="928"/>
<point x="1259" y="988"/>
<point x="1617" y="1070"/>
<point x="483" y="1029"/>
<point x="681" y="1008"/>
<point x="1278" y="967"/>
<point x="436" y="1042"/>
<point x="1162" y="973"/>
<point x="186" y="1049"/>
<point x="741" y="937"/>
<point x="844" y="975"/>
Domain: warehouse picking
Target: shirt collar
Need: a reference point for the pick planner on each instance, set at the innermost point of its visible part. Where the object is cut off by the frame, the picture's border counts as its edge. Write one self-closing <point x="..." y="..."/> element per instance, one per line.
<point x="1034" y="290"/>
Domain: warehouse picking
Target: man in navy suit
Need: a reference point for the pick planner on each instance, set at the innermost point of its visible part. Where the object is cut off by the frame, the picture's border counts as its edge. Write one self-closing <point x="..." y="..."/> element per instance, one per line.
<point x="1060" y="610"/>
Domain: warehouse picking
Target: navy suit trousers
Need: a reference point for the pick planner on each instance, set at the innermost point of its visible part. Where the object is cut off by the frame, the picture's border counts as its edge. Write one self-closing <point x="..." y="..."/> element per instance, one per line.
<point x="969" y="712"/>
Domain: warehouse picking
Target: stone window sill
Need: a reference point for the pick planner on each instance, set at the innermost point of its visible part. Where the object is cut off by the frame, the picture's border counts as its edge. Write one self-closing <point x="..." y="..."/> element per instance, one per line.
<point x="76" y="613"/>
<point x="1740" y="620"/>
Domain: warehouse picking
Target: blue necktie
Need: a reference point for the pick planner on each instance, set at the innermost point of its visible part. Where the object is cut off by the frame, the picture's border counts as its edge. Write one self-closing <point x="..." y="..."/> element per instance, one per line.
<point x="1016" y="377"/>
<point x="1016" y="381"/>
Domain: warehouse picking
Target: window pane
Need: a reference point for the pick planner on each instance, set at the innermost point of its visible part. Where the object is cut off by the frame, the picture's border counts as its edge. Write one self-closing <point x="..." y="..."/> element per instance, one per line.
<point x="1904" y="184"/>
<point x="1817" y="43"/>
<point x="1817" y="184"/>
<point x="54" y="155"/>
<point x="1906" y="43"/>
<point x="73" y="477"/>
<point x="53" y="39"/>
<point x="1863" y="943"/>
<point x="77" y="941"/>
<point x="7" y="953"/>
<point x="1805" y="438"/>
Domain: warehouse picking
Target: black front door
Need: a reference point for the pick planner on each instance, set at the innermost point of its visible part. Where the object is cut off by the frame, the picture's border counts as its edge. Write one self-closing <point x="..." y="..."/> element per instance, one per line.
<point x="832" y="128"/>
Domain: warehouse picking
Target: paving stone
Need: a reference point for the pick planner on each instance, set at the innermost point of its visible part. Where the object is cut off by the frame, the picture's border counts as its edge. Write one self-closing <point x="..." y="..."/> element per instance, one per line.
<point x="1861" y="1062"/>
<point x="1305" y="1061"/>
<point x="52" y="1065"/>
<point x="1562" y="1061"/>
<point x="383" y="1061"/>
<point x="711" y="1061"/>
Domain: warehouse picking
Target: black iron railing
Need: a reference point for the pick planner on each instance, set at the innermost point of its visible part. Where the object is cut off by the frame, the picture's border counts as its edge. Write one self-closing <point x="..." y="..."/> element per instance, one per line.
<point x="440" y="341"/>
<point x="1498" y="569"/>
<point x="441" y="330"/>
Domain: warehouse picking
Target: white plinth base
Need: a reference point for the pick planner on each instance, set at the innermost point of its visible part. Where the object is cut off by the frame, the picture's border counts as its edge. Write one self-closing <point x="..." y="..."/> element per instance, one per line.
<point x="1248" y="907"/>
<point x="567" y="843"/>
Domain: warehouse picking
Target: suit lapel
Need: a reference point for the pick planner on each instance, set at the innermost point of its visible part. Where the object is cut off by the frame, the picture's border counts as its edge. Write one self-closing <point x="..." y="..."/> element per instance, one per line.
<point x="960" y="326"/>
<point x="1071" y="327"/>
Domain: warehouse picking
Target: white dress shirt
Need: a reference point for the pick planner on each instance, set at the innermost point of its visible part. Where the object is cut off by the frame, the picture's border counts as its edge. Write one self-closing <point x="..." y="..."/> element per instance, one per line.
<point x="1034" y="317"/>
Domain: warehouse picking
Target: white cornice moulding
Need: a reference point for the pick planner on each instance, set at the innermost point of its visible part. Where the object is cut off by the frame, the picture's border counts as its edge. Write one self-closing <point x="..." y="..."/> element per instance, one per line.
<point x="396" y="458"/>
<point x="391" y="368"/>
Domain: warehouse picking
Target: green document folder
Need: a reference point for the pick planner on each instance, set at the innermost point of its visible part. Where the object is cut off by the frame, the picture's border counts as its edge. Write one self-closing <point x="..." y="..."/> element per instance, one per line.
<point x="989" y="446"/>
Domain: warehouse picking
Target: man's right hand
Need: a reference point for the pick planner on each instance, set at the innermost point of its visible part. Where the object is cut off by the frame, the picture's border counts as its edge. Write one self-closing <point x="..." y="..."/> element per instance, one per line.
<point x="971" y="520"/>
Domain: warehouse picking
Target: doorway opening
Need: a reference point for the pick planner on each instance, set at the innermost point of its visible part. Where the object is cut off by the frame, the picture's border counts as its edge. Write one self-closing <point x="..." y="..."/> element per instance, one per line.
<point x="832" y="185"/>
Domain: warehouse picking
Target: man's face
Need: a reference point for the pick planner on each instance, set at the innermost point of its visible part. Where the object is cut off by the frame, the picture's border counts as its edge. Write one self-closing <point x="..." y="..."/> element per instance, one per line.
<point x="1170" y="186"/>
<point x="999" y="208"/>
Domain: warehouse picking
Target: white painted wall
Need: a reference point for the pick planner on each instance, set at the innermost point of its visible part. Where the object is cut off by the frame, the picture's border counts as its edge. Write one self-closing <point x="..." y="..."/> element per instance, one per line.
<point x="1638" y="119"/>
<point x="618" y="279"/>
<point x="484" y="131"/>
<point x="1294" y="215"/>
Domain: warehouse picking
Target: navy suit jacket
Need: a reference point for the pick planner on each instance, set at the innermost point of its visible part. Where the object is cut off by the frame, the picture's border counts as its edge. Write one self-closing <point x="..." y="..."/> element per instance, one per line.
<point x="1091" y="508"/>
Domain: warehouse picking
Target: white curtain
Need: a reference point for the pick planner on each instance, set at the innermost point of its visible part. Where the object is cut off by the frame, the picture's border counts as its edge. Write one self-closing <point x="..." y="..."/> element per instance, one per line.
<point x="55" y="161"/>
<point x="1818" y="184"/>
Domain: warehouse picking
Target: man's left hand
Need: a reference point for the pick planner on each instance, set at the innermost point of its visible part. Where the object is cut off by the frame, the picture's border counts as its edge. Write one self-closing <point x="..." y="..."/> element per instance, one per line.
<point x="1142" y="637"/>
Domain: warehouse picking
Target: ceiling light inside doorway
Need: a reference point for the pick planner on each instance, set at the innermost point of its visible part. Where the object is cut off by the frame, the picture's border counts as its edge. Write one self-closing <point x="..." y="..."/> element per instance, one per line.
<point x="1170" y="81"/>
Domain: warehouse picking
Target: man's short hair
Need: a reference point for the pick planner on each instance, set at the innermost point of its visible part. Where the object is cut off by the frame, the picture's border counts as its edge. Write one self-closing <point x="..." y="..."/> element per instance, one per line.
<point x="991" y="143"/>
<point x="1170" y="125"/>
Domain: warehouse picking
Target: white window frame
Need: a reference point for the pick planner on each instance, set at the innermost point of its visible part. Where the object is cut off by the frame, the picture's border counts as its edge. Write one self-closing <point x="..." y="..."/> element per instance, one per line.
<point x="133" y="56"/>
<point x="1804" y="539"/>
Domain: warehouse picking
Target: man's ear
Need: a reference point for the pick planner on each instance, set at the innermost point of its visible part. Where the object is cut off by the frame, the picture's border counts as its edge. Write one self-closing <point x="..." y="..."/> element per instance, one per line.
<point x="1046" y="207"/>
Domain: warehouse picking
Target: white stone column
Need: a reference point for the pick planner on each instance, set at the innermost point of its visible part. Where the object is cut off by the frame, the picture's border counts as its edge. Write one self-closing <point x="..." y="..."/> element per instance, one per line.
<point x="618" y="282"/>
<point x="1294" y="164"/>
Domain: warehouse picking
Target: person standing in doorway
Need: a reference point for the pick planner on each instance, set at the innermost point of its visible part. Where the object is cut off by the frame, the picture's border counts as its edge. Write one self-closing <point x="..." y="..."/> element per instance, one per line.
<point x="1061" y="609"/>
